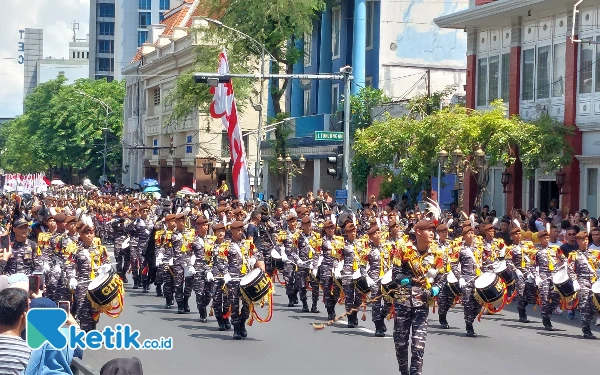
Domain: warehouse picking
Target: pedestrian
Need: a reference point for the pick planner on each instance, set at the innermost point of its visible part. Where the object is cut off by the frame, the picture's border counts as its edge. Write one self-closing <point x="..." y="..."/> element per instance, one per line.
<point x="14" y="352"/>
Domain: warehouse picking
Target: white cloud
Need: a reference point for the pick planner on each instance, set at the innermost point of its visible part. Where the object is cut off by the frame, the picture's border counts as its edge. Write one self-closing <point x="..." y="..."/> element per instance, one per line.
<point x="55" y="18"/>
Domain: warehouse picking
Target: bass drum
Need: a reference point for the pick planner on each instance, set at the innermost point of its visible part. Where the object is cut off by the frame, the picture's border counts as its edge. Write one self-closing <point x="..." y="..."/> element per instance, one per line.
<point x="104" y="289"/>
<point x="563" y="284"/>
<point x="501" y="269"/>
<point x="388" y="285"/>
<point x="361" y="285"/>
<point x="596" y="296"/>
<point x="453" y="284"/>
<point x="255" y="285"/>
<point x="489" y="287"/>
<point x="278" y="264"/>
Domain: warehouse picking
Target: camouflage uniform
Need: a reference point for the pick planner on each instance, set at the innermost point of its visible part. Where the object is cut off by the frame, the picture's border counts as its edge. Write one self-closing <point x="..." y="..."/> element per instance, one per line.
<point x="527" y="291"/>
<point x="331" y="291"/>
<point x="546" y="260"/>
<point x="353" y="297"/>
<point x="122" y="256"/>
<point x="22" y="259"/>
<point x="182" y="253"/>
<point x="203" y="250"/>
<point x="308" y="257"/>
<point x="288" y="243"/>
<point x="220" y="298"/>
<point x="582" y="267"/>
<point x="57" y="286"/>
<point x="379" y="264"/>
<point x="445" y="299"/>
<point x="168" y="275"/>
<point x="467" y="268"/>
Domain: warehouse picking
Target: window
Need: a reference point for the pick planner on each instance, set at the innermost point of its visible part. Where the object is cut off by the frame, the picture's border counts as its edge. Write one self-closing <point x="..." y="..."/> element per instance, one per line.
<point x="306" y="102"/>
<point x="597" y="66"/>
<point x="335" y="97"/>
<point x="369" y="81"/>
<point x="145" y="4"/>
<point x="307" y="48"/>
<point x="558" y="70"/>
<point x="105" y="64"/>
<point x="543" y="72"/>
<point x="505" y="79"/>
<point x="156" y="96"/>
<point x="482" y="82"/>
<point x="142" y="37"/>
<point x="61" y="73"/>
<point x="161" y="16"/>
<point x="155" y="145"/>
<point x="225" y="145"/>
<point x="165" y="4"/>
<point x="106" y="10"/>
<point x="370" y="15"/>
<point x="145" y="20"/>
<point x="188" y="141"/>
<point x="106" y="28"/>
<point x="106" y="46"/>
<point x="73" y="54"/>
<point x="493" y="77"/>
<point x="528" y="72"/>
<point x="336" y="19"/>
<point x="78" y="54"/>
<point x="87" y="55"/>
<point x="585" y="68"/>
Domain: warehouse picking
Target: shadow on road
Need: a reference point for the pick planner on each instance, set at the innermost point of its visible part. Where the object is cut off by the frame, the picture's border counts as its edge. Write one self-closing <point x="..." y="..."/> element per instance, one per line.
<point x="554" y="334"/>
<point x="309" y="316"/>
<point x="534" y="327"/>
<point x="225" y="337"/>
<point x="446" y="332"/>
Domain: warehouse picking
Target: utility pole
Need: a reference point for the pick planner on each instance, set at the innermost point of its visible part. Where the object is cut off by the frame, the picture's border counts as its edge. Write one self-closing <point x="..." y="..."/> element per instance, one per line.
<point x="428" y="91"/>
<point x="347" y="173"/>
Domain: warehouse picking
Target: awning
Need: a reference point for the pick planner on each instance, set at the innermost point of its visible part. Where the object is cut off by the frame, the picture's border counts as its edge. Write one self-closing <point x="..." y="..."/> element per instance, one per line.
<point x="498" y="13"/>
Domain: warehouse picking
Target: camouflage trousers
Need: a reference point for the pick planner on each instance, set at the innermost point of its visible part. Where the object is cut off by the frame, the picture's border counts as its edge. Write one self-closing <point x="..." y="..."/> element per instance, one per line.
<point x="407" y="319"/>
<point x="527" y="294"/>
<point x="300" y="280"/>
<point x="353" y="297"/>
<point x="445" y="299"/>
<point x="202" y="289"/>
<point x="168" y="276"/>
<point x="586" y="305"/>
<point x="237" y="301"/>
<point x="83" y="309"/>
<point x="471" y="307"/>
<point x="122" y="256"/>
<point x="380" y="307"/>
<point x="183" y="285"/>
<point x="331" y="291"/>
<point x="548" y="296"/>
<point x="220" y="300"/>
<point x="289" y="274"/>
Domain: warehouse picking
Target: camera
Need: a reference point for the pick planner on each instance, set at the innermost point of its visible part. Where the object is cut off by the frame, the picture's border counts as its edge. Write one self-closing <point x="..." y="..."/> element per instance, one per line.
<point x="346" y="69"/>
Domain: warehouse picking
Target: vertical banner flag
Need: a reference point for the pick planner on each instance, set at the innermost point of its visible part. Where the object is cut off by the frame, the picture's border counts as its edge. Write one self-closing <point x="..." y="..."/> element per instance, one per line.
<point x="223" y="107"/>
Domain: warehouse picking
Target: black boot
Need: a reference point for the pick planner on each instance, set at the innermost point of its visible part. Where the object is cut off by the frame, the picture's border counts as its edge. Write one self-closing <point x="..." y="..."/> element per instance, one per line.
<point x="305" y="306"/>
<point x="236" y="332"/>
<point x="314" y="308"/>
<point x="331" y="313"/>
<point x="186" y="305"/>
<point x="470" y="330"/>
<point x="180" y="308"/>
<point x="227" y="324"/>
<point x="169" y="303"/>
<point x="123" y="277"/>
<point x="159" y="292"/>
<point x="351" y="320"/>
<point x="548" y="324"/>
<point x="290" y="301"/>
<point x="202" y="311"/>
<point x="221" y="322"/>
<point x="296" y="298"/>
<point x="136" y="283"/>
<point x="523" y="317"/>
<point x="382" y="321"/>
<point x="379" y="329"/>
<point x="145" y="286"/>
<point x="443" y="322"/>
<point x="243" y="331"/>
<point x="587" y="333"/>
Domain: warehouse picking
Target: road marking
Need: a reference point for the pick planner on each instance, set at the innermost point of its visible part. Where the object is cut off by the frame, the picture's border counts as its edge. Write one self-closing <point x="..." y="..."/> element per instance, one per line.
<point x="363" y="329"/>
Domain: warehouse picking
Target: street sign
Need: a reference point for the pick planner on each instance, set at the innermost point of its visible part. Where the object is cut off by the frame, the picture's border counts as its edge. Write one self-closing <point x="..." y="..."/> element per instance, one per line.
<point x="341" y="196"/>
<point x="329" y="136"/>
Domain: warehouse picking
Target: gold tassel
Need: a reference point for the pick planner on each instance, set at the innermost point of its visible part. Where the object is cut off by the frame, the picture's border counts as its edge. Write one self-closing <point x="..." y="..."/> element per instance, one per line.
<point x="211" y="312"/>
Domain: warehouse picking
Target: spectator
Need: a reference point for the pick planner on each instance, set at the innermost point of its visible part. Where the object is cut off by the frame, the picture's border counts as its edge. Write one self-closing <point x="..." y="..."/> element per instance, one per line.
<point x="485" y="211"/>
<point x="122" y="366"/>
<point x="14" y="352"/>
<point x="570" y="241"/>
<point x="4" y="255"/>
<point x="554" y="233"/>
<point x="504" y="232"/>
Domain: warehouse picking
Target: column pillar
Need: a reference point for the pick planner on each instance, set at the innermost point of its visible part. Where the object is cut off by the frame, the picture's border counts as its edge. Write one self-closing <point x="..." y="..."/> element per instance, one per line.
<point x="514" y="198"/>
<point x="468" y="186"/>
<point x="265" y="179"/>
<point x="359" y="45"/>
<point x="571" y="190"/>
<point x="324" y="98"/>
<point x="316" y="175"/>
<point x="297" y="104"/>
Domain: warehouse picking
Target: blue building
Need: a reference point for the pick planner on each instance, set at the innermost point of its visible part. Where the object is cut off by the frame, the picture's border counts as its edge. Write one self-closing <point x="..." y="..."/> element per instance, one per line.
<point x="390" y="46"/>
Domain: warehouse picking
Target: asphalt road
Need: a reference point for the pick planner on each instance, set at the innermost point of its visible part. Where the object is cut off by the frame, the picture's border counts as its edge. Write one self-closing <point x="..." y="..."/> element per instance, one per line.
<point x="289" y="345"/>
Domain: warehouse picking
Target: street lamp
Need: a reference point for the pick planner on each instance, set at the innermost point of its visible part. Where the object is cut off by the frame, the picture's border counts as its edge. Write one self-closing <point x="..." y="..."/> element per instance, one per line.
<point x="105" y="129"/>
<point x="442" y="159"/>
<point x="259" y="107"/>
<point x="560" y="180"/>
<point x="290" y="168"/>
<point x="461" y="165"/>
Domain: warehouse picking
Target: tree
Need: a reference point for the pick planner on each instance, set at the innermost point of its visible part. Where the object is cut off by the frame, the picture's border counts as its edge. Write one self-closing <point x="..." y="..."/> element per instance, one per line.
<point x="412" y="145"/>
<point x="276" y="25"/>
<point x="61" y="131"/>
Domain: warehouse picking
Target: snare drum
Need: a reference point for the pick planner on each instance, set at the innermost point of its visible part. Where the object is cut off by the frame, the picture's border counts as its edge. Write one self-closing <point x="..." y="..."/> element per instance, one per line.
<point x="361" y="285"/>
<point x="453" y="284"/>
<point x="563" y="284"/>
<point x="489" y="287"/>
<point x="388" y="285"/>
<point x="596" y="292"/>
<point x="255" y="285"/>
<point x="278" y="264"/>
<point x="103" y="289"/>
<point x="505" y="274"/>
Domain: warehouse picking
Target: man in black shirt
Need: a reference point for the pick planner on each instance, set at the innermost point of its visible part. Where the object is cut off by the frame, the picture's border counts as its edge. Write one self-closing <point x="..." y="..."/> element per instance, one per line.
<point x="570" y="242"/>
<point x="252" y="231"/>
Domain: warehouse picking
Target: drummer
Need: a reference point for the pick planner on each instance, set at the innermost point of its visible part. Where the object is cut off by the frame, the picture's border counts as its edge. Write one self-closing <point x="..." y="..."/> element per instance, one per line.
<point x="235" y="261"/>
<point x="331" y="291"/>
<point x="379" y="264"/>
<point x="88" y="260"/>
<point x="350" y="260"/>
<point x="445" y="298"/>
<point x="523" y="254"/>
<point x="547" y="260"/>
<point x="582" y="270"/>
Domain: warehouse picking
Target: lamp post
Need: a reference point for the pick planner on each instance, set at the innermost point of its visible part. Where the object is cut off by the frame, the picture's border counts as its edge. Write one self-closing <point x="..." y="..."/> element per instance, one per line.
<point x="442" y="159"/>
<point x="105" y="129"/>
<point x="286" y="164"/>
<point x="260" y="106"/>
<point x="460" y="165"/>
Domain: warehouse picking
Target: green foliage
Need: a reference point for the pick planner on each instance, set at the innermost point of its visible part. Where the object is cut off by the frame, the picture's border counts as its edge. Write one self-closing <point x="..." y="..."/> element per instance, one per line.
<point x="361" y="170"/>
<point x="421" y="104"/>
<point x="61" y="130"/>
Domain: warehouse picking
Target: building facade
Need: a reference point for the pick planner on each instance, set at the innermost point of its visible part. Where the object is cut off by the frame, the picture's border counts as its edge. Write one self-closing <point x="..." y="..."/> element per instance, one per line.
<point x="117" y="29"/>
<point x="527" y="57"/>
<point x="74" y="67"/>
<point x="33" y="50"/>
<point x="391" y="45"/>
<point x="174" y="154"/>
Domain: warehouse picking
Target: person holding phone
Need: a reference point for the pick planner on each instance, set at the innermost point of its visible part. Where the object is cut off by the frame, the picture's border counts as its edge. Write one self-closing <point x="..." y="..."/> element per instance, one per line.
<point x="5" y="254"/>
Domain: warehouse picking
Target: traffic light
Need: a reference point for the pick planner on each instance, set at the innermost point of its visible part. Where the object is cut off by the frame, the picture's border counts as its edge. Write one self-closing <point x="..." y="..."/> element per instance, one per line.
<point x="338" y="166"/>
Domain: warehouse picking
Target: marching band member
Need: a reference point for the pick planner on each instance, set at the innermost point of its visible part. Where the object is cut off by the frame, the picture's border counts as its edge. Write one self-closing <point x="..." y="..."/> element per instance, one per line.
<point x="547" y="260"/>
<point x="523" y="253"/>
<point x="308" y="255"/>
<point x="23" y="250"/>
<point x="445" y="298"/>
<point x="202" y="246"/>
<point x="135" y="261"/>
<point x="143" y="229"/>
<point x="182" y="239"/>
<point x="159" y="235"/>
<point x="220" y="299"/>
<point x="379" y="263"/>
<point x="412" y="270"/>
<point x="167" y="260"/>
<point x="122" y="254"/>
<point x="466" y="268"/>
<point x="287" y="240"/>
<point x="582" y="270"/>
<point x="331" y="291"/>
<point x="236" y="259"/>
<point x="350" y="261"/>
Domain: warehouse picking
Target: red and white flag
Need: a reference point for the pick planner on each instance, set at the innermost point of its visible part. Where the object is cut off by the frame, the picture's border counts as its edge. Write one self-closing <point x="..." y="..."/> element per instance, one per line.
<point x="223" y="107"/>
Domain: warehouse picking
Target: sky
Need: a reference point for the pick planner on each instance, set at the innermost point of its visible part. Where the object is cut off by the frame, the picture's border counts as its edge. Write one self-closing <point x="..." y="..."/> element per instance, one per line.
<point x="55" y="17"/>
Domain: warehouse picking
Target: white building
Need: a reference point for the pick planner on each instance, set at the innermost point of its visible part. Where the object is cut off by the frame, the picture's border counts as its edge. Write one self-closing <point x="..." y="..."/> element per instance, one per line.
<point x="74" y="67"/>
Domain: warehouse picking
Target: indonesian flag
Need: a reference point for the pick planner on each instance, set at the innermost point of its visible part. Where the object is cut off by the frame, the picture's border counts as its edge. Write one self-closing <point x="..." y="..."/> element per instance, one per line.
<point x="223" y="107"/>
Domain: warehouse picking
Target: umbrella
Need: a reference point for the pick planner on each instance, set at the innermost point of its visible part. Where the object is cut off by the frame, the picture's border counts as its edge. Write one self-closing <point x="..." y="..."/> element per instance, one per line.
<point x="151" y="189"/>
<point x="148" y="182"/>
<point x="188" y="189"/>
<point x="185" y="192"/>
<point x="57" y="183"/>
